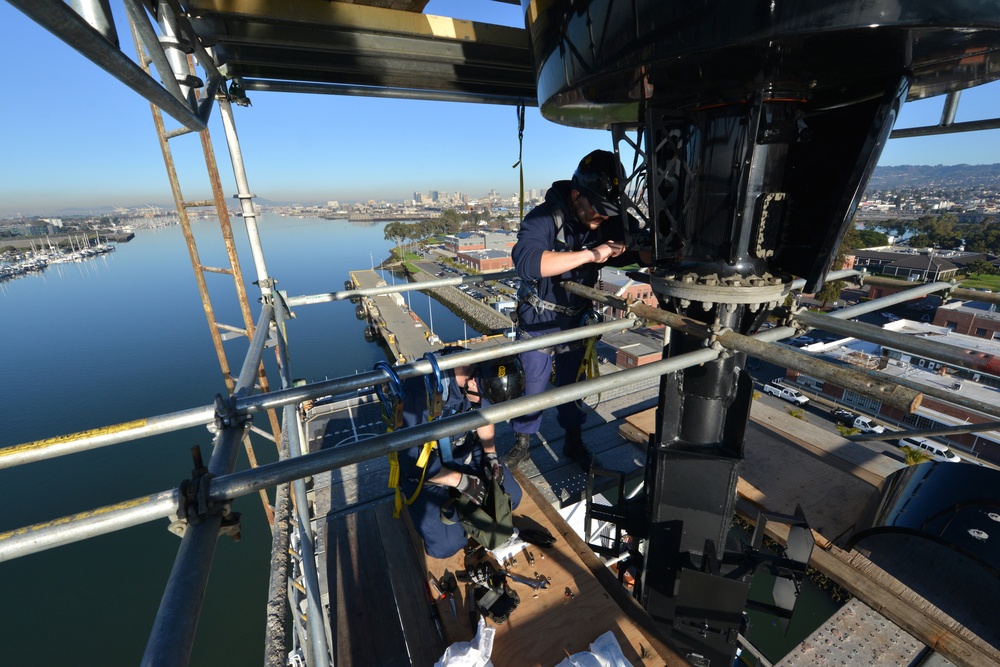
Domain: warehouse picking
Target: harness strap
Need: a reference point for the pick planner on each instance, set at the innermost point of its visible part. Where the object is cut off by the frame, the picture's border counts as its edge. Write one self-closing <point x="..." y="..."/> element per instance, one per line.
<point x="541" y="304"/>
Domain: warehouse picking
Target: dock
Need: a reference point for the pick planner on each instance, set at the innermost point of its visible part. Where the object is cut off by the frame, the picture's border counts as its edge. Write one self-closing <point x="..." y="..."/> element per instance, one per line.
<point x="404" y="334"/>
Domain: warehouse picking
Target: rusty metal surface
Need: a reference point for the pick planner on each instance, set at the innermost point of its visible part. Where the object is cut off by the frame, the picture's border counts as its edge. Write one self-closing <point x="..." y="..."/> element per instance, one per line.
<point x="862" y="382"/>
<point x="855" y="635"/>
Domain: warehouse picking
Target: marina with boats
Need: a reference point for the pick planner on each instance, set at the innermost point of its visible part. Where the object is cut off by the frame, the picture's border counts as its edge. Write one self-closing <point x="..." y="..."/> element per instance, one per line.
<point x="37" y="259"/>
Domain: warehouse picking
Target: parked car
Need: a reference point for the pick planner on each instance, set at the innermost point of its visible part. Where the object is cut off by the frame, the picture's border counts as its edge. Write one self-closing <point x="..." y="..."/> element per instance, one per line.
<point x="785" y="393"/>
<point x="937" y="452"/>
<point x="888" y="316"/>
<point x="860" y="422"/>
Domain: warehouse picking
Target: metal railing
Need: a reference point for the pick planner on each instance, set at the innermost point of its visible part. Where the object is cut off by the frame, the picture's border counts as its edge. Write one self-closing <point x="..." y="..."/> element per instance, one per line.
<point x="227" y="487"/>
<point x="179" y="610"/>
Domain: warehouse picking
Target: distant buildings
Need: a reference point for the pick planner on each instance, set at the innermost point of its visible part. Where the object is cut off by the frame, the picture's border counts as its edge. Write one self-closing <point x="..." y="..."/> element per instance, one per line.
<point x="980" y="382"/>
<point x="916" y="265"/>
<point x="614" y="281"/>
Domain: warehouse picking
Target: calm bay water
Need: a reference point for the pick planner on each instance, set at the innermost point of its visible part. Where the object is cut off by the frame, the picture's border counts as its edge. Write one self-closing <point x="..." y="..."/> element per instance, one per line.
<point x="123" y="337"/>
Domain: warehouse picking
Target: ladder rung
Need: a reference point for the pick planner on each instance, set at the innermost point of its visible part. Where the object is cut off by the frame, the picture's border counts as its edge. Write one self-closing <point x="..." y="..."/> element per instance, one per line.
<point x="216" y="269"/>
<point x="179" y="132"/>
<point x="230" y="331"/>
<point x="199" y="203"/>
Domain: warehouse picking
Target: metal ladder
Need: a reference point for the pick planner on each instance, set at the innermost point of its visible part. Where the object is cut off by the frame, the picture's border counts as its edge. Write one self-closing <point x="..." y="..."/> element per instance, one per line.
<point x="219" y="331"/>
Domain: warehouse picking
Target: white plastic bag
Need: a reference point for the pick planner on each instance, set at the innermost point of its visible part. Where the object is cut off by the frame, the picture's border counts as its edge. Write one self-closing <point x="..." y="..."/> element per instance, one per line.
<point x="604" y="652"/>
<point x="470" y="654"/>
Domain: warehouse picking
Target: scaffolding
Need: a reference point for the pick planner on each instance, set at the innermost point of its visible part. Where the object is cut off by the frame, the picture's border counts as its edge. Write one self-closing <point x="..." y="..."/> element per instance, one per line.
<point x="188" y="88"/>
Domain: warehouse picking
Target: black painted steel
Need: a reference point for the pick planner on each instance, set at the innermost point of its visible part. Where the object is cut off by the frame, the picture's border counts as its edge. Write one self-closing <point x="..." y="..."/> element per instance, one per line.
<point x="954" y="504"/>
<point x="761" y="124"/>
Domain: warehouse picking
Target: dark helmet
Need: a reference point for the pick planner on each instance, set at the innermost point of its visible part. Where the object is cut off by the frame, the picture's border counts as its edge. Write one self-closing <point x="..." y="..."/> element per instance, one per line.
<point x="596" y="177"/>
<point x="500" y="379"/>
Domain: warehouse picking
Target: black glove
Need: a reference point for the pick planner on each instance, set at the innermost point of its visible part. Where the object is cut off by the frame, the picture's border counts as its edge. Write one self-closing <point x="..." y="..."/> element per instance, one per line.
<point x="492" y="468"/>
<point x="472" y="488"/>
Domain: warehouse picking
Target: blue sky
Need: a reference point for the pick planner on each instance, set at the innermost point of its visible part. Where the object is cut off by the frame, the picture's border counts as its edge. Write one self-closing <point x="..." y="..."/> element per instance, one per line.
<point x="72" y="135"/>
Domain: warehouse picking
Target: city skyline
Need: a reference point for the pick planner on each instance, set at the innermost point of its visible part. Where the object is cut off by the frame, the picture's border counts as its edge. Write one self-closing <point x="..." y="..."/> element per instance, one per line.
<point x="76" y="137"/>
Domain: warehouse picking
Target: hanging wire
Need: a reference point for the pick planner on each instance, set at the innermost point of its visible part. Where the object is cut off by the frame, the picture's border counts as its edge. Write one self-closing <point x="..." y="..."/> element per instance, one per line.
<point x="520" y="151"/>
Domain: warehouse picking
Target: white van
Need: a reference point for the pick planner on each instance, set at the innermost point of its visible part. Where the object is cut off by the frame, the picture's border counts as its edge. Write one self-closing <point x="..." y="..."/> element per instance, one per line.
<point x="936" y="451"/>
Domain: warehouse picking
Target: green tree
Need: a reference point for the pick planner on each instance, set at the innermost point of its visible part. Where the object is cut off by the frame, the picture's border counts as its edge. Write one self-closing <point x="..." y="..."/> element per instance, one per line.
<point x="830" y="292"/>
<point x="452" y="220"/>
<point x="395" y="232"/>
<point x="984" y="240"/>
<point x="981" y="267"/>
<point x="872" y="239"/>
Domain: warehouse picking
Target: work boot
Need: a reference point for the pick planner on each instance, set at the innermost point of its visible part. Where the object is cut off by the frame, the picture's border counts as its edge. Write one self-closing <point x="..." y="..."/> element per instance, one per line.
<point x="519" y="452"/>
<point x="574" y="448"/>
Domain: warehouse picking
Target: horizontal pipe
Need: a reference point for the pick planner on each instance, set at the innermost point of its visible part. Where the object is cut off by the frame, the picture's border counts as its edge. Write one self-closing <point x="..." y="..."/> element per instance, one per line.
<point x="371" y="91"/>
<point x="928" y="432"/>
<point x="799" y="283"/>
<point x="954" y="128"/>
<point x="949" y="354"/>
<point x="891" y="299"/>
<point x="863" y="382"/>
<point x="38" y="537"/>
<point x="395" y="289"/>
<point x="104" y="436"/>
<point x="250" y="481"/>
<point x="100" y="521"/>
<point x="70" y="443"/>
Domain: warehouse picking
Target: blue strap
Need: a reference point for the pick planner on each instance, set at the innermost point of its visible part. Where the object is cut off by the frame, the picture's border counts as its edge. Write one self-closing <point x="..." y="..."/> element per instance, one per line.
<point x="393" y="381"/>
<point x="435" y="375"/>
<point x="392" y="405"/>
<point x="441" y="385"/>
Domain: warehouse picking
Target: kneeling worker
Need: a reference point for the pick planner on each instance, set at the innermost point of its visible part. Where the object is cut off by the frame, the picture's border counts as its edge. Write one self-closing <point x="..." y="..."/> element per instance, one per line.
<point x="473" y="455"/>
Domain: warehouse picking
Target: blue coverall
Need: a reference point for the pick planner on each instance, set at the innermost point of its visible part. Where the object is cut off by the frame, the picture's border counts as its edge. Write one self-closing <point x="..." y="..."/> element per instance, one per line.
<point x="538" y="234"/>
<point x="441" y="540"/>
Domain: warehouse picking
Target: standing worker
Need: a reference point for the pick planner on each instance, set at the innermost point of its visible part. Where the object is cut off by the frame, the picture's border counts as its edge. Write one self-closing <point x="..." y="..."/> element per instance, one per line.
<point x="576" y="230"/>
<point x="429" y="477"/>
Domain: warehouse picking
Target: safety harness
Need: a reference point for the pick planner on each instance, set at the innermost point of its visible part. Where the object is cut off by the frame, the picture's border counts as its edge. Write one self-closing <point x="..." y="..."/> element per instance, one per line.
<point x="529" y="289"/>
<point x="392" y="414"/>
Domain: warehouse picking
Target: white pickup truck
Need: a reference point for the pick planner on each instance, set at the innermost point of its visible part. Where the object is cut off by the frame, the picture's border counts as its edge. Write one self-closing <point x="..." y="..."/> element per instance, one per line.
<point x="860" y="422"/>
<point x="786" y="393"/>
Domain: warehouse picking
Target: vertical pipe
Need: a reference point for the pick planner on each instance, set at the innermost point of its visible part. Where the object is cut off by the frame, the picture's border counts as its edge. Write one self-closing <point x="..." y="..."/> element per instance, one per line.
<point x="950" y="108"/>
<point x="98" y="14"/>
<point x="243" y="194"/>
<point x="172" y="637"/>
<point x="176" y="47"/>
<point x="293" y="432"/>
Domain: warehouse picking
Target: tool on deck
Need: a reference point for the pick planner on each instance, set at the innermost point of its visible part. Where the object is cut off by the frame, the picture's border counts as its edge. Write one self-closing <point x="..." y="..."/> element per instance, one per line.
<point x="536" y="584"/>
<point x="448" y="586"/>
<point x="473" y="611"/>
<point x="435" y="616"/>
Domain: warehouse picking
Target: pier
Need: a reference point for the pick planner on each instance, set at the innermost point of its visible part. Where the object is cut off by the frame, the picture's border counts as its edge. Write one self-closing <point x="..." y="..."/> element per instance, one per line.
<point x="406" y="336"/>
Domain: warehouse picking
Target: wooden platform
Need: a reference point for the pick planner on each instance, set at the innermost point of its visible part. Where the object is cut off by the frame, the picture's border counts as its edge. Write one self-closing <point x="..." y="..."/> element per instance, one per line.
<point x="377" y="566"/>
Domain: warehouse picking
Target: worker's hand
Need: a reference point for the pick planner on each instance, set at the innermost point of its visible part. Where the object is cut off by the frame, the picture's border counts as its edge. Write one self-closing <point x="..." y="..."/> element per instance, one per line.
<point x="492" y="468"/>
<point x="472" y="488"/>
<point x="607" y="250"/>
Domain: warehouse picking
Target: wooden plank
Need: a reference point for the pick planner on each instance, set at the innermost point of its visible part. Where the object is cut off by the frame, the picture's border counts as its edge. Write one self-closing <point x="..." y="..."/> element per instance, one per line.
<point x="425" y="645"/>
<point x="546" y="628"/>
<point x="456" y="625"/>
<point x="549" y="625"/>
<point x="368" y="629"/>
